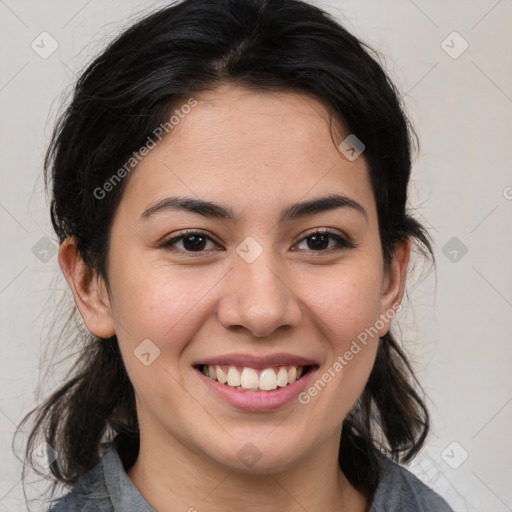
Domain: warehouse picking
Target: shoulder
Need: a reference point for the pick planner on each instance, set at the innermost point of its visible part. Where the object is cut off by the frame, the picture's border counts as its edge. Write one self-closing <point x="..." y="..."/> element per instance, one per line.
<point x="399" y="489"/>
<point x="105" y="488"/>
<point x="89" y="494"/>
<point x="72" y="501"/>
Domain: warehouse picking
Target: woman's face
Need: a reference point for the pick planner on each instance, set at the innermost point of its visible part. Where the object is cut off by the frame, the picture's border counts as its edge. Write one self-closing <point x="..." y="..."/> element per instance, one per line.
<point x="254" y="291"/>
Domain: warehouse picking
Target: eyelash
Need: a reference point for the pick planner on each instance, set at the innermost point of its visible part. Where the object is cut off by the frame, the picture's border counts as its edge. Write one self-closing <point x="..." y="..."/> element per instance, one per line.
<point x="343" y="243"/>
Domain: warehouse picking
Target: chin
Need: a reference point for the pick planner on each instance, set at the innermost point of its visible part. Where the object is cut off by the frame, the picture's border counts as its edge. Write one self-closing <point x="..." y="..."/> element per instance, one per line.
<point x="260" y="455"/>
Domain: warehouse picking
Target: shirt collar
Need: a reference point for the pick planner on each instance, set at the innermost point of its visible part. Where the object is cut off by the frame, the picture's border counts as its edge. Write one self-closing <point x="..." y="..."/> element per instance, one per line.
<point x="124" y="495"/>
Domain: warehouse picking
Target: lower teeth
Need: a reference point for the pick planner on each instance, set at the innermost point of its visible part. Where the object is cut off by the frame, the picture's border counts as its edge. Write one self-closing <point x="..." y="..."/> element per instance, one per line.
<point x="240" y="388"/>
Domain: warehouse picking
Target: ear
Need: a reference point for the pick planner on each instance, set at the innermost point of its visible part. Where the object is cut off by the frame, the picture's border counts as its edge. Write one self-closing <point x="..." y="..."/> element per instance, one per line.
<point x="89" y="291"/>
<point x="393" y="284"/>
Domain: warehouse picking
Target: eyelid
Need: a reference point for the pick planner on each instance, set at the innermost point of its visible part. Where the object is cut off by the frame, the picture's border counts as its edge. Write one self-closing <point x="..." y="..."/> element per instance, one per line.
<point x="343" y="241"/>
<point x="168" y="243"/>
<point x="325" y="231"/>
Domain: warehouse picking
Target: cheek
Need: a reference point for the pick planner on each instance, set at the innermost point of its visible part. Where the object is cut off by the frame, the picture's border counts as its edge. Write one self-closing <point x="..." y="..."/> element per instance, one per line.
<point x="169" y="311"/>
<point x="345" y="302"/>
<point x="346" y="308"/>
<point x="162" y="306"/>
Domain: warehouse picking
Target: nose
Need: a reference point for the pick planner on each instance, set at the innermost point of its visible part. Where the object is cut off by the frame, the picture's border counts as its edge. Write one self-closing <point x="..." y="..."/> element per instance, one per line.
<point x="257" y="297"/>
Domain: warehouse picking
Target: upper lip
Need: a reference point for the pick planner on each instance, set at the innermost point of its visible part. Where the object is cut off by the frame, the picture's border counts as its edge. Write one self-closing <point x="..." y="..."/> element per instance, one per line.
<point x="257" y="362"/>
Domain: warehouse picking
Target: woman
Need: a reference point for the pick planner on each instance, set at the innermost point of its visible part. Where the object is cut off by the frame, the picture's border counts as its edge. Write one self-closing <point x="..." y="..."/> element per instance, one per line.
<point x="229" y="191"/>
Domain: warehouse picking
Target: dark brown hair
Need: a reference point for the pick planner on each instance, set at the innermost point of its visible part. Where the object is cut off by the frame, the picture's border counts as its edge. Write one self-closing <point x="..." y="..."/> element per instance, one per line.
<point x="119" y="100"/>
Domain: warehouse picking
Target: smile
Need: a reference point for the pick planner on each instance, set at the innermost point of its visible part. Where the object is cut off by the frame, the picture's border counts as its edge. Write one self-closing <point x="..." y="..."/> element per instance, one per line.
<point x="256" y="383"/>
<point x="247" y="378"/>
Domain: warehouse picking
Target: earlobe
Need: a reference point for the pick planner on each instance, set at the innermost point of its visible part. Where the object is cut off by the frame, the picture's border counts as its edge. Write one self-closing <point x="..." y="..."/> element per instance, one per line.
<point x="394" y="283"/>
<point x="88" y="290"/>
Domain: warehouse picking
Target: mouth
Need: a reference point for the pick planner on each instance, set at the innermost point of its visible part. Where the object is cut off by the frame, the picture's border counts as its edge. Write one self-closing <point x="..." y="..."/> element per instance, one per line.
<point x="259" y="380"/>
<point x="256" y="383"/>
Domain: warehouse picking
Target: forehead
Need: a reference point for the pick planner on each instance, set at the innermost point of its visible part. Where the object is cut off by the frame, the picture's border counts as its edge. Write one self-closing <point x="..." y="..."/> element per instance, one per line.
<point x="249" y="147"/>
<point x="232" y="119"/>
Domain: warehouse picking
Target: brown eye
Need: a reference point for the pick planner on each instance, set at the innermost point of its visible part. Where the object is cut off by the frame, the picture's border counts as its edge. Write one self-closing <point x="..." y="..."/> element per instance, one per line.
<point x="318" y="241"/>
<point x="192" y="241"/>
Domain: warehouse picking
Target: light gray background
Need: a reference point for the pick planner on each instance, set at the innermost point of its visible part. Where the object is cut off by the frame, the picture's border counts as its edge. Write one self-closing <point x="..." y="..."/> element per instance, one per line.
<point x="457" y="325"/>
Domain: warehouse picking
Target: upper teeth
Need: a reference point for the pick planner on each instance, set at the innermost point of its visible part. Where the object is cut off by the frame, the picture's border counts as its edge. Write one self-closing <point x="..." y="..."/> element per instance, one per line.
<point x="248" y="378"/>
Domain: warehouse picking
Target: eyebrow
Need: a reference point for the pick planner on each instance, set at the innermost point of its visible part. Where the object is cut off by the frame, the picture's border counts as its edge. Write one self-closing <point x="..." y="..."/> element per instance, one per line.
<point x="216" y="211"/>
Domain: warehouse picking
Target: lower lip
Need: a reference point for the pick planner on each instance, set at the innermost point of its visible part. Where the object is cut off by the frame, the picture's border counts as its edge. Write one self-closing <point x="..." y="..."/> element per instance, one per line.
<point x="258" y="400"/>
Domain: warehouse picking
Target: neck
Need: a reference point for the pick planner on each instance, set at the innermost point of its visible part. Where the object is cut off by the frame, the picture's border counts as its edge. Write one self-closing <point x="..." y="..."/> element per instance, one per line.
<point x="172" y="477"/>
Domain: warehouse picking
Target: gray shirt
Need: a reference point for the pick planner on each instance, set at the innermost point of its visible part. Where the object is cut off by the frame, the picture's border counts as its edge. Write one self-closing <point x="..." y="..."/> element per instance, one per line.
<point x="107" y="488"/>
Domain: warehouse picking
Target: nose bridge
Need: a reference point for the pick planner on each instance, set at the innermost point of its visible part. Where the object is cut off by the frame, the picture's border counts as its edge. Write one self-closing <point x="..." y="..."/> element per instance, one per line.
<point x="257" y="295"/>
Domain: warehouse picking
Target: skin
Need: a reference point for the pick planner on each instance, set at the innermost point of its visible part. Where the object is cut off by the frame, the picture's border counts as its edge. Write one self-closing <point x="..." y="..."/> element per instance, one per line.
<point x="255" y="152"/>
